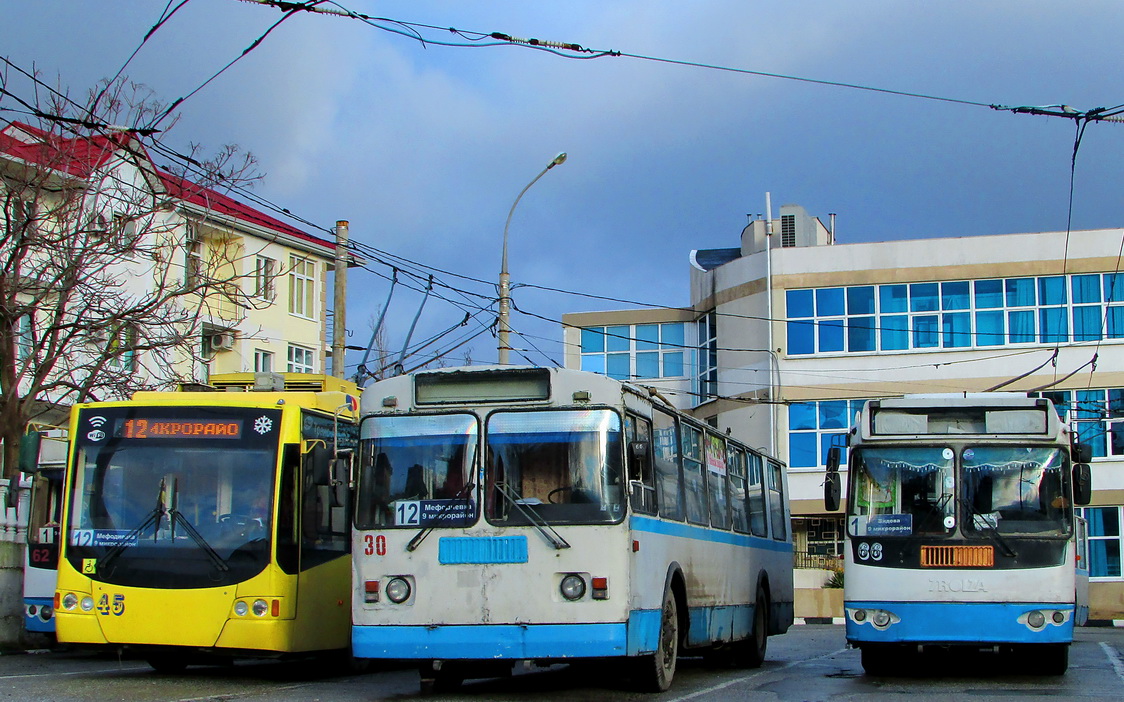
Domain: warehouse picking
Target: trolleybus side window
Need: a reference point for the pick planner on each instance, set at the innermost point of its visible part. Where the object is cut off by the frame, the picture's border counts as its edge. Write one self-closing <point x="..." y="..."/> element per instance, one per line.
<point x="641" y="475"/>
<point x="739" y="493"/>
<point x="288" y="538"/>
<point x="776" y="502"/>
<point x="755" y="496"/>
<point x="694" y="479"/>
<point x="666" y="460"/>
<point x="717" y="471"/>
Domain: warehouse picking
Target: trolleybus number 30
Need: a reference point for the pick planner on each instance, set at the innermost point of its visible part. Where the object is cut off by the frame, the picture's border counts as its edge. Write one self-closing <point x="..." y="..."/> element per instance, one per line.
<point x="374" y="545"/>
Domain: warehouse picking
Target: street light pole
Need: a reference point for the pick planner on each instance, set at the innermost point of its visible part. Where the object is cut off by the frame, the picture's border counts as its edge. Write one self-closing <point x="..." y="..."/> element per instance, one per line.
<point x="504" y="325"/>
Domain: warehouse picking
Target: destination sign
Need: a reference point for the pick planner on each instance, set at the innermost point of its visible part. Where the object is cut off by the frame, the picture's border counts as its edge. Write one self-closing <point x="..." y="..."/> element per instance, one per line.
<point x="178" y="428"/>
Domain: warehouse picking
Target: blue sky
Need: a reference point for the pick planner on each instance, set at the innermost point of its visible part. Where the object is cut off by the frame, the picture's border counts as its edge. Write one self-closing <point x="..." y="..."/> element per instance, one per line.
<point x="424" y="148"/>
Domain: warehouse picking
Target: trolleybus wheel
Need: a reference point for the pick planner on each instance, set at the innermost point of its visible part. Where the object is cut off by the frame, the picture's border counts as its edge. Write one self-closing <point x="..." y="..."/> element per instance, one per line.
<point x="753" y="654"/>
<point x="654" y="672"/>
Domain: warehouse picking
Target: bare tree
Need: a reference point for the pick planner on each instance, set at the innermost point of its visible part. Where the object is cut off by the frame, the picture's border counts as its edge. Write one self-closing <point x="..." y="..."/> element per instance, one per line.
<point x="107" y="280"/>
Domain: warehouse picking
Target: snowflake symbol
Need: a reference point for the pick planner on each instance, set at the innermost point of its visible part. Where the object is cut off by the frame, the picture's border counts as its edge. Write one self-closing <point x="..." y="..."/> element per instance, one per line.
<point x="262" y="425"/>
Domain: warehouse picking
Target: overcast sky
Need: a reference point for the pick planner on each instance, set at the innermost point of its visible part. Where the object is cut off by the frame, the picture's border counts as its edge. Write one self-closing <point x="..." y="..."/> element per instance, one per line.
<point x="423" y="148"/>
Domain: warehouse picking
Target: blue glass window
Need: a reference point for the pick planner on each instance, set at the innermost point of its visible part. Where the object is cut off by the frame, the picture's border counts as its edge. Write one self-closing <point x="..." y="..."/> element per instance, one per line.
<point x="860" y="300"/>
<point x="802" y="416"/>
<point x="1020" y="292"/>
<point x="1087" y="323"/>
<point x="801" y="337"/>
<point x="923" y="297"/>
<point x="833" y="414"/>
<point x="672" y="335"/>
<point x="829" y="440"/>
<point x="617" y="338"/>
<point x="673" y="364"/>
<point x="802" y="450"/>
<point x="618" y="366"/>
<point x="925" y="332"/>
<point x="1114" y="287"/>
<point x="956" y="329"/>
<point x="860" y="334"/>
<point x="895" y="332"/>
<point x="1115" y="321"/>
<point x="1086" y="289"/>
<point x="593" y="339"/>
<point x="1051" y="291"/>
<point x="829" y="302"/>
<point x="594" y="364"/>
<point x="647" y="337"/>
<point x="1020" y="327"/>
<point x="1054" y="325"/>
<point x="893" y="298"/>
<point x="989" y="294"/>
<point x="831" y="335"/>
<point x="989" y="328"/>
<point x="648" y="364"/>
<point x="798" y="303"/>
<point x="954" y="296"/>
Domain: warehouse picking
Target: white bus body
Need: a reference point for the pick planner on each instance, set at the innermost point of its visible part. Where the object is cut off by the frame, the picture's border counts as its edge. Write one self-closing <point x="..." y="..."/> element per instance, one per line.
<point x="546" y="522"/>
<point x="961" y="530"/>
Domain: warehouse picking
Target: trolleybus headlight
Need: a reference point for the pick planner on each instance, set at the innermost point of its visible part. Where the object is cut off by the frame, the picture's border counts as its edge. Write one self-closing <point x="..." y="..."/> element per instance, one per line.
<point x="260" y="608"/>
<point x="87" y="604"/>
<point x="397" y="590"/>
<point x="45" y="613"/>
<point x="241" y="608"/>
<point x="69" y="600"/>
<point x="573" y="587"/>
<point x="859" y="615"/>
<point x="1058" y="616"/>
<point x="881" y="618"/>
<point x="1036" y="619"/>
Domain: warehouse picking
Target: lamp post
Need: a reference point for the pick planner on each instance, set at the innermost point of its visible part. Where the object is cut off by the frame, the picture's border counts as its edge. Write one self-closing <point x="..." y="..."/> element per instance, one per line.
<point x="505" y="281"/>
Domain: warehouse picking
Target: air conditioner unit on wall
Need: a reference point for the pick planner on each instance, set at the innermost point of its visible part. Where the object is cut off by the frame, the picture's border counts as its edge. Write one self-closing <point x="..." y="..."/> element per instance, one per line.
<point x="222" y="341"/>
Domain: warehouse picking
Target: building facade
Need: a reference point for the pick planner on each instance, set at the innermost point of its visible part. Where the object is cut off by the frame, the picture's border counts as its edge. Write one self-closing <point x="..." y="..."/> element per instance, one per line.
<point x="792" y="332"/>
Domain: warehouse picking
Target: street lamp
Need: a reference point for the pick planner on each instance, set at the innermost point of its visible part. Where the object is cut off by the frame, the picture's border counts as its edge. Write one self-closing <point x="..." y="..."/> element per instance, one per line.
<point x="505" y="280"/>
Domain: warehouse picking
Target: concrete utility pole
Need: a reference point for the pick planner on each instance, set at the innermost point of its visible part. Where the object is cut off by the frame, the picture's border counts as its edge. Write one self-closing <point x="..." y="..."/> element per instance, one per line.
<point x="339" y="322"/>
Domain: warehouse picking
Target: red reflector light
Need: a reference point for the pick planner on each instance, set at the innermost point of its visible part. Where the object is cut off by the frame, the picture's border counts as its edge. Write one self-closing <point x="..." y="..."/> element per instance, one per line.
<point x="635" y="546"/>
<point x="600" y="590"/>
<point x="275" y="608"/>
<point x="371" y="591"/>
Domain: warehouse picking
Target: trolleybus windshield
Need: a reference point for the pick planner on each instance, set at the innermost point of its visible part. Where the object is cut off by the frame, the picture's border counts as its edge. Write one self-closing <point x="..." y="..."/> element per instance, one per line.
<point x="173" y="497"/>
<point x="415" y="471"/>
<point x="1016" y="490"/>
<point x="562" y="466"/>
<point x="901" y="491"/>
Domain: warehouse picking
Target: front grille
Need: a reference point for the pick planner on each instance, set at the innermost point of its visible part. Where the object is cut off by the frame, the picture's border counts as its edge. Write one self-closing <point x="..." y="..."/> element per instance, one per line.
<point x="957" y="556"/>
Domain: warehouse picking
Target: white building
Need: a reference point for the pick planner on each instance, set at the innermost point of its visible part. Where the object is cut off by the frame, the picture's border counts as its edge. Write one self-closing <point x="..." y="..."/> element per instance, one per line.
<point x="790" y="332"/>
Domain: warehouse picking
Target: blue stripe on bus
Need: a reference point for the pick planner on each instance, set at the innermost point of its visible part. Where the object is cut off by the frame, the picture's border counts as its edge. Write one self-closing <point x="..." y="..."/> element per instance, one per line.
<point x="689" y="531"/>
<point x="456" y="550"/>
<point x="958" y="622"/>
<point x="639" y="636"/>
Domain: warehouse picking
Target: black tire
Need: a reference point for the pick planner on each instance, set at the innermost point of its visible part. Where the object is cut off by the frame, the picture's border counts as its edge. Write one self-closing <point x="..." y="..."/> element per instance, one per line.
<point x="654" y="672"/>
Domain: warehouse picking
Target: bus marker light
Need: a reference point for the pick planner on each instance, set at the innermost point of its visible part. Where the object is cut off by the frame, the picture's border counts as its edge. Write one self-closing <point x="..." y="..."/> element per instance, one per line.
<point x="635" y="546"/>
<point x="398" y="590"/>
<point x="600" y="588"/>
<point x="58" y="599"/>
<point x="371" y="591"/>
<point x="572" y="587"/>
<point x="241" y="608"/>
<point x="275" y="608"/>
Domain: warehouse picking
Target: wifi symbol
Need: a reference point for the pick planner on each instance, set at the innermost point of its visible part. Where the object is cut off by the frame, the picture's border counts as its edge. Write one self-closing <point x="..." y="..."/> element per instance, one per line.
<point x="97" y="421"/>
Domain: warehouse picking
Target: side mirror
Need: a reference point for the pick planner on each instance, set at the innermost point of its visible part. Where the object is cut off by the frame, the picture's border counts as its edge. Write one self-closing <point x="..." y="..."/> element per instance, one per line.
<point x="833" y="458"/>
<point x="318" y="462"/>
<point x="832" y="491"/>
<point x="638" y="459"/>
<point x="29" y="451"/>
<point x="1082" y="453"/>
<point x="1082" y="484"/>
<point x="341" y="477"/>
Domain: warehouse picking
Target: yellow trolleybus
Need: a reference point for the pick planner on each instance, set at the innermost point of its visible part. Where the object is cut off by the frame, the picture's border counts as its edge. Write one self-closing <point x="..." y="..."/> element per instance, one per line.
<point x="203" y="525"/>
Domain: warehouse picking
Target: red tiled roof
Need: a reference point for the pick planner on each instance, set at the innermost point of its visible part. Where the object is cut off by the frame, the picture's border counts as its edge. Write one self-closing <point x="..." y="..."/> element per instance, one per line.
<point x="81" y="156"/>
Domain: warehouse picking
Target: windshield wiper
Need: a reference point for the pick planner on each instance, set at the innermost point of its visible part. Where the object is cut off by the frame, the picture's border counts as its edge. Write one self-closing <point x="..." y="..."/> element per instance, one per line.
<point x="989" y="528"/>
<point x="536" y="521"/>
<point x="420" y="536"/>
